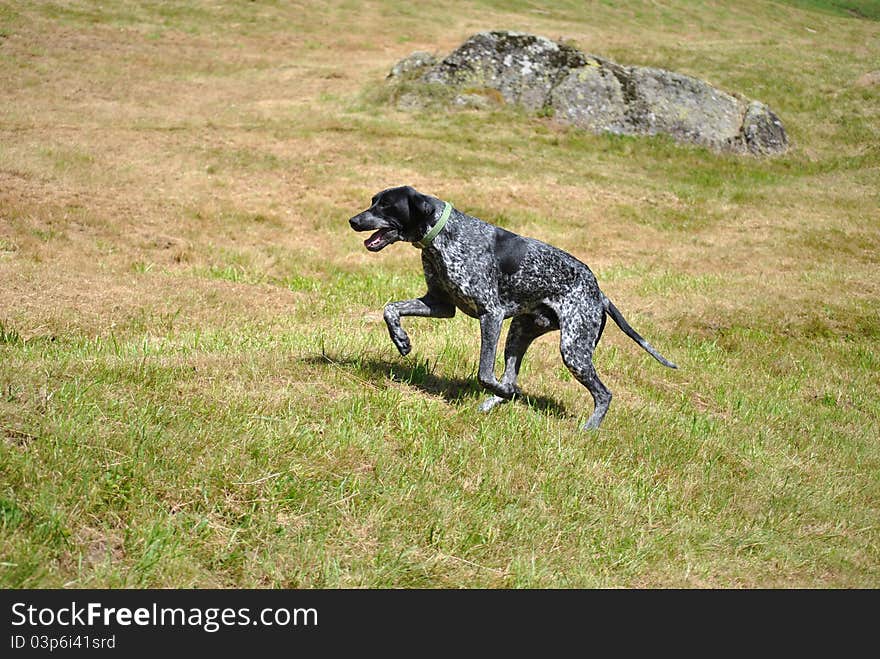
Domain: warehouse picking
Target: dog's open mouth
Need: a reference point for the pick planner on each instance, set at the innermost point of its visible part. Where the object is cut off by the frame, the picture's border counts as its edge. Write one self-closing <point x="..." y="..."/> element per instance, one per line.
<point x="378" y="240"/>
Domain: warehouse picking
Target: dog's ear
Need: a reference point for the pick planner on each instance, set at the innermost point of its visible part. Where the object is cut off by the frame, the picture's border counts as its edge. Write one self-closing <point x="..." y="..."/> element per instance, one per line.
<point x="420" y="206"/>
<point x="425" y="206"/>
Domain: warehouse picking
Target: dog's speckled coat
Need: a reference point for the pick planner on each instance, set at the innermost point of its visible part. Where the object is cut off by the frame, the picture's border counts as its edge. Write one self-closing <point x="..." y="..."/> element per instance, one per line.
<point x="492" y="274"/>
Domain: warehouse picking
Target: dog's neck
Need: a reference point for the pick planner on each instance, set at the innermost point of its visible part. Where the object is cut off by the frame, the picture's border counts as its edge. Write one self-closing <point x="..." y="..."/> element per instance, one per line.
<point x="434" y="231"/>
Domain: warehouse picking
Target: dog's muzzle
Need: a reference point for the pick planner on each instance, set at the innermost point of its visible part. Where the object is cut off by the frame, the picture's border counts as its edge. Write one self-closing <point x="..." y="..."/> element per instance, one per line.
<point x="383" y="235"/>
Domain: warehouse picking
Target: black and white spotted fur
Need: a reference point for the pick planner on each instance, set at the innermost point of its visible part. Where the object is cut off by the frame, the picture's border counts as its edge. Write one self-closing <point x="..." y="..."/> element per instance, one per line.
<point x="492" y="274"/>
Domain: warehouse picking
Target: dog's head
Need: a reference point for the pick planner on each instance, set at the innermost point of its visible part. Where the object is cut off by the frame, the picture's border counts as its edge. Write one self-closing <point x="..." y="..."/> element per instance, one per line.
<point x="395" y="214"/>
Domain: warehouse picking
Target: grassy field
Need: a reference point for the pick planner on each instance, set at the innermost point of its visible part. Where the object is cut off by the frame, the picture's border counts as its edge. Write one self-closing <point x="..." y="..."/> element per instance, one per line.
<point x="196" y="385"/>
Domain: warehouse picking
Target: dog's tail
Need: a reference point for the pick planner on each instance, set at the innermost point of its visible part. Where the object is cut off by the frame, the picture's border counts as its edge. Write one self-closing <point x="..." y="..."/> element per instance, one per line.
<point x="618" y="318"/>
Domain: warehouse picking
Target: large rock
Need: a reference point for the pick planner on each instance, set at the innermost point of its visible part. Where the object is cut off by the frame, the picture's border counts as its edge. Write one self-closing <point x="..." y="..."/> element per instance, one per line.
<point x="523" y="67"/>
<point x="592" y="92"/>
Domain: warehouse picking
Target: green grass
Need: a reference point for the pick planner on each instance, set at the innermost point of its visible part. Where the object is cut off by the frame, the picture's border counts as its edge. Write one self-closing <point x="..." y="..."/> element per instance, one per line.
<point x="196" y="385"/>
<point x="869" y="9"/>
<point x="246" y="445"/>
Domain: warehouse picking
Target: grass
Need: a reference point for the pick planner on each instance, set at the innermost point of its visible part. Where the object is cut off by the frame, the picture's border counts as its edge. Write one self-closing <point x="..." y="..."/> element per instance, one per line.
<point x="196" y="386"/>
<point x="868" y="9"/>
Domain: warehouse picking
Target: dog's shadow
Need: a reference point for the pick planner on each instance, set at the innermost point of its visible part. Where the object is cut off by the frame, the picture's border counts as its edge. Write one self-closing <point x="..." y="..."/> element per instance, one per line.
<point x="420" y="375"/>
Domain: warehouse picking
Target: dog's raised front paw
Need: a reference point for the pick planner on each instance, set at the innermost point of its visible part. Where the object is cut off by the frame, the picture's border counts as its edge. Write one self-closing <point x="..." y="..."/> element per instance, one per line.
<point x="403" y="344"/>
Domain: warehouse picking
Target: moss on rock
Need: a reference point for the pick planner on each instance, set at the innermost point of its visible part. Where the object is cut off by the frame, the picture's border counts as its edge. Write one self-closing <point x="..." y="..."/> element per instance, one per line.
<point x="555" y="79"/>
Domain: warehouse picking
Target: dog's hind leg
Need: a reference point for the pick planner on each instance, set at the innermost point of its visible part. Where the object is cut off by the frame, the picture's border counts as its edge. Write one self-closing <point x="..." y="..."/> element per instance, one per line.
<point x="579" y="338"/>
<point x="523" y="330"/>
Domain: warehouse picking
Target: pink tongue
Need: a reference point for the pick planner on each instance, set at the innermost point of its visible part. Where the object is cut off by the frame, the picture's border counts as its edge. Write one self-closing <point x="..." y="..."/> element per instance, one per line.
<point x="375" y="239"/>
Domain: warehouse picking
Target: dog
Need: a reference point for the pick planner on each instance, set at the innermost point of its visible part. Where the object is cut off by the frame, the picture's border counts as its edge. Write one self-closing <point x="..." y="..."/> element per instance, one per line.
<point x="492" y="274"/>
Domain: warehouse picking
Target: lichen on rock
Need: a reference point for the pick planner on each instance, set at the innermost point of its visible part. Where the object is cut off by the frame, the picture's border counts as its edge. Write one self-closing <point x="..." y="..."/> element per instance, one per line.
<point x="414" y="62"/>
<point x="592" y="92"/>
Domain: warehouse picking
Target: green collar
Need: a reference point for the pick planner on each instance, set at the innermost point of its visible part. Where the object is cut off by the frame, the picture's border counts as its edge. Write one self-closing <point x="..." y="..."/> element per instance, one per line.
<point x="437" y="228"/>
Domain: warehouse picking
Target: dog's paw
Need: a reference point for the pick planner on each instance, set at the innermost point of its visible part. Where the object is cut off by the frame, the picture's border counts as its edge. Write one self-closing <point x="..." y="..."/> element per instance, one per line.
<point x="591" y="425"/>
<point x="491" y="403"/>
<point x="402" y="343"/>
<point x="505" y="391"/>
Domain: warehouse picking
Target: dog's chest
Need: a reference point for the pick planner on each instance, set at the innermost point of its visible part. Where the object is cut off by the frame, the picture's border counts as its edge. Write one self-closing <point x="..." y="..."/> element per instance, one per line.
<point x="469" y="283"/>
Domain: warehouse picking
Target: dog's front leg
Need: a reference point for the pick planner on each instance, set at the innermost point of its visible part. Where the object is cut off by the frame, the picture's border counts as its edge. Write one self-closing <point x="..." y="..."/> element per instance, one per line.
<point x="427" y="305"/>
<point x="490" y="331"/>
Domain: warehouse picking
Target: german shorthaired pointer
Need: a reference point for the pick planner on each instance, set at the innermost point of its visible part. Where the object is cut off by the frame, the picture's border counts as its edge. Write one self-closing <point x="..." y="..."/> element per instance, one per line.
<point x="492" y="274"/>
